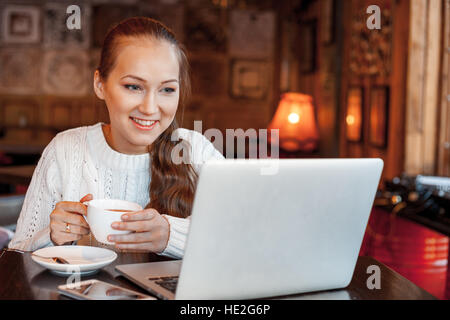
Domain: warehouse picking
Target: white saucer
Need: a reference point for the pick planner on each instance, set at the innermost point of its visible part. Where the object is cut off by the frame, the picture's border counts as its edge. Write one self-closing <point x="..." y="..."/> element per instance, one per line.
<point x="84" y="260"/>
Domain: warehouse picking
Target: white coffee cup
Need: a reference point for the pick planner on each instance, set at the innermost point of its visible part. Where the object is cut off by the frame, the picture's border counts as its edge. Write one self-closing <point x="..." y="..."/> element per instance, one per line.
<point x="101" y="214"/>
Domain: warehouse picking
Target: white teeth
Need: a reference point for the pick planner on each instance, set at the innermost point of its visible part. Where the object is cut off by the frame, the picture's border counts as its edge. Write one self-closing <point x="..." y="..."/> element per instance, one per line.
<point x="146" y="123"/>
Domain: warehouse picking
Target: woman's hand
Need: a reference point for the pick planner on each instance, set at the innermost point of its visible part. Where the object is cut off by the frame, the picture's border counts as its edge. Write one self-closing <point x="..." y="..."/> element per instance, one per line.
<point x="67" y="223"/>
<point x="151" y="231"/>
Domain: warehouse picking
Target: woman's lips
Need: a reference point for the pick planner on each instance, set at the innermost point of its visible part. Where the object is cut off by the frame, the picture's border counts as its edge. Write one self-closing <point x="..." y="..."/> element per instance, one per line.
<point x="143" y="124"/>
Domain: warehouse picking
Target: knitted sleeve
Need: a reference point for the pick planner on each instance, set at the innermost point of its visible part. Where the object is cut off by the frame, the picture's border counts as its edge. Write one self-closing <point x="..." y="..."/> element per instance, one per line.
<point x="43" y="193"/>
<point x="202" y="151"/>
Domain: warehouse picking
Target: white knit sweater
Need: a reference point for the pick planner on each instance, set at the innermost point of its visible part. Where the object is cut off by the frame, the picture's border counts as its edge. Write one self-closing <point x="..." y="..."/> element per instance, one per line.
<point x="80" y="161"/>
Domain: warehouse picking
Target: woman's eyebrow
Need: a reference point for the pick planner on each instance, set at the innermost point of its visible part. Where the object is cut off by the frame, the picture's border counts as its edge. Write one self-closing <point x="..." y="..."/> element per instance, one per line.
<point x="134" y="77"/>
<point x="143" y="80"/>
<point x="171" y="80"/>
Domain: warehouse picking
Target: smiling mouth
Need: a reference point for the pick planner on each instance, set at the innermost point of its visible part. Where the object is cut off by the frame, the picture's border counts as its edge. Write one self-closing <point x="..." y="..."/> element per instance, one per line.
<point x="144" y="124"/>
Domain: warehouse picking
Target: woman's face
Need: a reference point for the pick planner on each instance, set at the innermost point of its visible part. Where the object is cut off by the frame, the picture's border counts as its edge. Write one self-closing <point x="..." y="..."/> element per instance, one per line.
<point x="141" y="93"/>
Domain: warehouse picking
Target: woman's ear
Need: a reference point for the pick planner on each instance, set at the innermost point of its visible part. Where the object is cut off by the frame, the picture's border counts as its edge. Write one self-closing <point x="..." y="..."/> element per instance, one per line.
<point x="98" y="86"/>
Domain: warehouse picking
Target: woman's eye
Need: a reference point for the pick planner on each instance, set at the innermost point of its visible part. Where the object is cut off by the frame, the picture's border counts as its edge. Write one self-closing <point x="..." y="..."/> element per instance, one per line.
<point x="169" y="90"/>
<point x="133" y="87"/>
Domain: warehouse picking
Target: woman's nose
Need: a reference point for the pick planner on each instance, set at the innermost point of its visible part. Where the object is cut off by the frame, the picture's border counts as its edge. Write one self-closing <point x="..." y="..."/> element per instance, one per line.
<point x="149" y="104"/>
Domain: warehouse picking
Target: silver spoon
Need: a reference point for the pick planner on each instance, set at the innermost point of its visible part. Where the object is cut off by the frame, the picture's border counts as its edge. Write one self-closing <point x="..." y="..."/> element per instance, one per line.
<point x="54" y="259"/>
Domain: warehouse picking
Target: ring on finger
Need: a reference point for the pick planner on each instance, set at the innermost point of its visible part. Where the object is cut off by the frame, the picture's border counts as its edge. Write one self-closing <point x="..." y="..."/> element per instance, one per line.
<point x="67" y="228"/>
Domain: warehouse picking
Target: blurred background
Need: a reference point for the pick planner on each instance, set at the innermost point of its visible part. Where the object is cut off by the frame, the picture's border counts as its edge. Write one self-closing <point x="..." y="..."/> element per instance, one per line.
<point x="351" y="78"/>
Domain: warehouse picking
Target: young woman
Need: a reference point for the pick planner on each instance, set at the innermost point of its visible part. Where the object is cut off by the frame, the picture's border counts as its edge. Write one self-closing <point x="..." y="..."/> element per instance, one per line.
<point x="143" y="79"/>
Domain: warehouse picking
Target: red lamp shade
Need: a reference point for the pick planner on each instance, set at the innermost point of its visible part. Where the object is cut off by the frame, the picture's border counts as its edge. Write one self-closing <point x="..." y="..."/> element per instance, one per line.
<point x="296" y="121"/>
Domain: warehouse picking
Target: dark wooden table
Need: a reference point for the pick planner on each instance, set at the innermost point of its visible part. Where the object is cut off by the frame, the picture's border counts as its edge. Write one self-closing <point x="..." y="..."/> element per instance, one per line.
<point x="21" y="278"/>
<point x="17" y="174"/>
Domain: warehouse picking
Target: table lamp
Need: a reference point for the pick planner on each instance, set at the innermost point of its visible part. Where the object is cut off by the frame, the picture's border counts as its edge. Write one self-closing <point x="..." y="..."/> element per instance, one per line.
<point x="296" y="121"/>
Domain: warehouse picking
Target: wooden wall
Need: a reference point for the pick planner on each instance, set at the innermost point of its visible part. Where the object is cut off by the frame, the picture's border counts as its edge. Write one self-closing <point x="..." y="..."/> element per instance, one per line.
<point x="34" y="106"/>
<point x="394" y="78"/>
<point x="443" y="150"/>
<point x="423" y="96"/>
<point x="46" y="83"/>
<point x="341" y="64"/>
<point x="321" y="80"/>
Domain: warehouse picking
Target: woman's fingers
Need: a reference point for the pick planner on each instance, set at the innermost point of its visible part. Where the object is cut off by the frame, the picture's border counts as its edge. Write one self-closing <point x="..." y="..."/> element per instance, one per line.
<point x="69" y="217"/>
<point x="69" y="206"/>
<point x="67" y="213"/>
<point x="146" y="214"/>
<point x="138" y="221"/>
<point x="150" y="235"/>
<point x="136" y="226"/>
<point x="87" y="197"/>
<point x="73" y="228"/>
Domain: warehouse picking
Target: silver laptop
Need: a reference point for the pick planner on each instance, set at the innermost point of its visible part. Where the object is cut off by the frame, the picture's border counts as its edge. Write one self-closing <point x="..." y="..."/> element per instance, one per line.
<point x="268" y="228"/>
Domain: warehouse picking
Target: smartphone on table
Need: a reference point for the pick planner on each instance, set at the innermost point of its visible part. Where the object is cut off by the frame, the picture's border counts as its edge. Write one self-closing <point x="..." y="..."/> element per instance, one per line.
<point x="99" y="290"/>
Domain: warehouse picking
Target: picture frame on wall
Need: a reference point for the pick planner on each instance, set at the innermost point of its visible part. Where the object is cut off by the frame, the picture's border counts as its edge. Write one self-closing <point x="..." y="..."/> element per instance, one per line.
<point x="19" y="72"/>
<point x="249" y="79"/>
<point x="56" y="34"/>
<point x="378" y="116"/>
<point x="354" y="114"/>
<point x="307" y="46"/>
<point x="20" y="24"/>
<point x="66" y="72"/>
<point x="205" y="30"/>
<point x="252" y="34"/>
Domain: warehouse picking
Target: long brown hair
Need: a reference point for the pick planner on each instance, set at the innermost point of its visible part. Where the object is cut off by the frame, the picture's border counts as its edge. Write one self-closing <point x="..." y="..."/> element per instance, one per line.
<point x="172" y="185"/>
